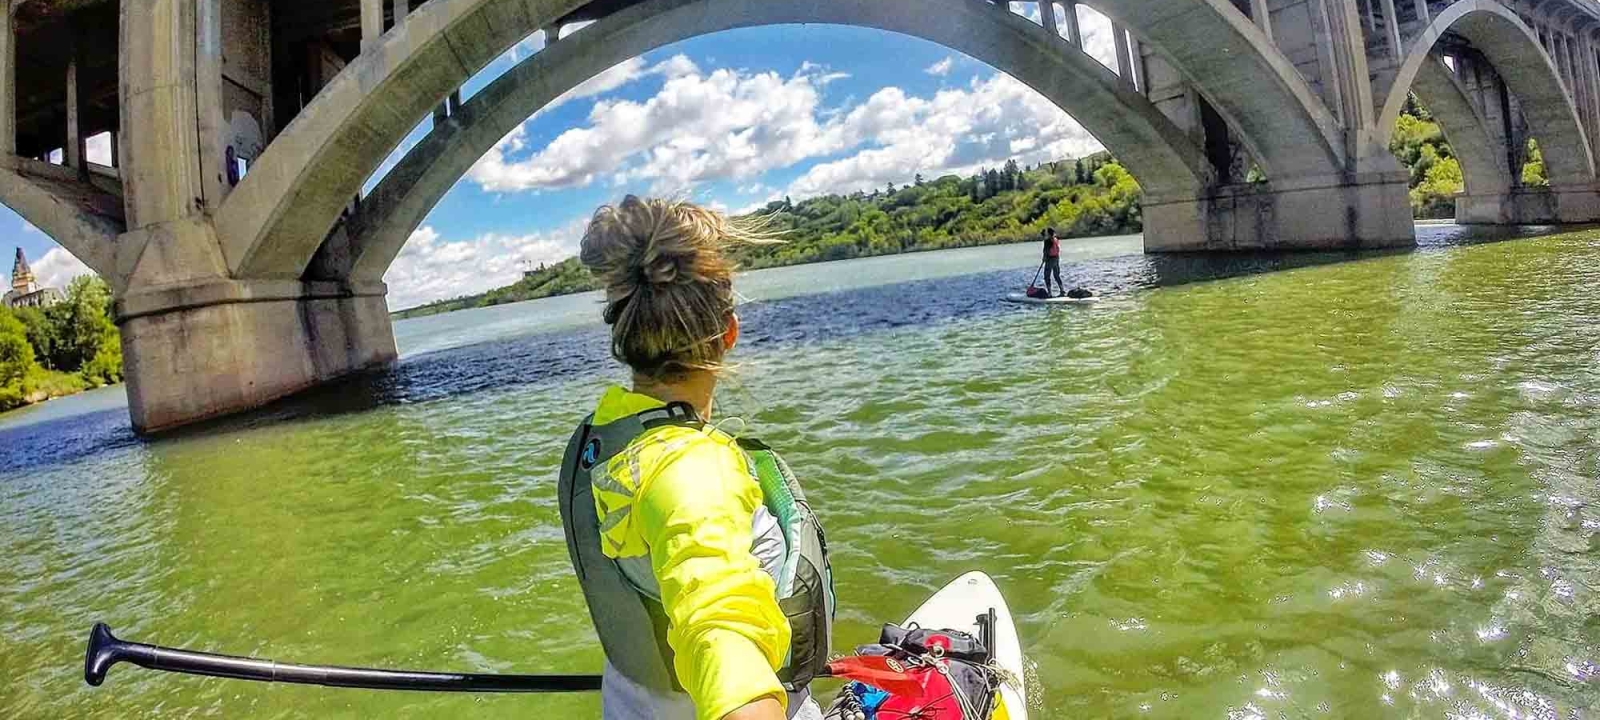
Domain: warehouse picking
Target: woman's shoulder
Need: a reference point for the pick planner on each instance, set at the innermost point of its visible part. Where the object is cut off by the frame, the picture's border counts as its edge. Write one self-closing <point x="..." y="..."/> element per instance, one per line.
<point x="688" y="458"/>
<point x="672" y="443"/>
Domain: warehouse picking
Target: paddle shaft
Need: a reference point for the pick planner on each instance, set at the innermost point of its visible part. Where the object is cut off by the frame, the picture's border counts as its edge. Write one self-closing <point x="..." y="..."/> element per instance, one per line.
<point x="1035" y="280"/>
<point x="106" y="650"/>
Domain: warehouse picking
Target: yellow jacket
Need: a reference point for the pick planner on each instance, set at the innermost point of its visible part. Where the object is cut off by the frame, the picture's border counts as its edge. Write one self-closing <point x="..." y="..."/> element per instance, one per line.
<point x="689" y="504"/>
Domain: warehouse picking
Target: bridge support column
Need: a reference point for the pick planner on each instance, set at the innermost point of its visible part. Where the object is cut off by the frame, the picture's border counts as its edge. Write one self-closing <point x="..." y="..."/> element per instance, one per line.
<point x="8" y="84"/>
<point x="371" y="23"/>
<point x="214" y="348"/>
<point x="1369" y="212"/>
<point x="1556" y="205"/>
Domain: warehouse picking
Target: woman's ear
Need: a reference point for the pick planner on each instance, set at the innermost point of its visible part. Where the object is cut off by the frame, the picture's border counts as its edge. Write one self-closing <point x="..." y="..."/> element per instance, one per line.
<point x="730" y="336"/>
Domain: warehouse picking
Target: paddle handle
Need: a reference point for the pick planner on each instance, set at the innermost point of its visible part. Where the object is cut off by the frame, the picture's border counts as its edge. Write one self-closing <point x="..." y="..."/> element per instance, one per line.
<point x="106" y="650"/>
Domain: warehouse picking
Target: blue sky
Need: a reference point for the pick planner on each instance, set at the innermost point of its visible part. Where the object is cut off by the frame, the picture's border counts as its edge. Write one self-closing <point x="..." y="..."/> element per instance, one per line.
<point x="731" y="120"/>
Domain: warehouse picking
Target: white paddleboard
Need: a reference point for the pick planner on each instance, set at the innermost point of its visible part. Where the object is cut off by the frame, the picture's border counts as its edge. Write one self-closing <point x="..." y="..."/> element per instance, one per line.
<point x="1021" y="299"/>
<point x="956" y="607"/>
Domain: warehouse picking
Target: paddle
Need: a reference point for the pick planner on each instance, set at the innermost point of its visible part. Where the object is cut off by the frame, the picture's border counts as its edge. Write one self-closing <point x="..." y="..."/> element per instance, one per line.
<point x="106" y="650"/>
<point x="1035" y="280"/>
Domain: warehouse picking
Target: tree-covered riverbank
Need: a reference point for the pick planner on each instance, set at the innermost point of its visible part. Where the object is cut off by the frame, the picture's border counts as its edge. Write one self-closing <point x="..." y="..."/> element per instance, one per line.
<point x="1080" y="198"/>
<point x="63" y="349"/>
<point x="1085" y="197"/>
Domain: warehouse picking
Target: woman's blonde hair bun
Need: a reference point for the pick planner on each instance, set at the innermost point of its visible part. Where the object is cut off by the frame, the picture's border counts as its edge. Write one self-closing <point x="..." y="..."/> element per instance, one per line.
<point x="668" y="280"/>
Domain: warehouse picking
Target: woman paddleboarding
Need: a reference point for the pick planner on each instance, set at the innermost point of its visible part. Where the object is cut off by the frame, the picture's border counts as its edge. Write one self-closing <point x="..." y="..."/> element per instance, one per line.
<point x="685" y="539"/>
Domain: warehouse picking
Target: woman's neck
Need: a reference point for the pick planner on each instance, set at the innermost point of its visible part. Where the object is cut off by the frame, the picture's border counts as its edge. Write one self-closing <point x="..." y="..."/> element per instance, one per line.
<point x="694" y="387"/>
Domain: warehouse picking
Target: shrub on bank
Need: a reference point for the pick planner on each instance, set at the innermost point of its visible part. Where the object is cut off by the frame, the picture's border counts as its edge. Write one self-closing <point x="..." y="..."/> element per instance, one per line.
<point x="61" y="349"/>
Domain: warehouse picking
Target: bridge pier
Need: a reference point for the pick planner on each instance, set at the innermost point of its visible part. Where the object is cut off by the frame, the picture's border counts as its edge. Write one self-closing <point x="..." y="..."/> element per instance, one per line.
<point x="1554" y="205"/>
<point x="212" y="348"/>
<point x="1368" y="212"/>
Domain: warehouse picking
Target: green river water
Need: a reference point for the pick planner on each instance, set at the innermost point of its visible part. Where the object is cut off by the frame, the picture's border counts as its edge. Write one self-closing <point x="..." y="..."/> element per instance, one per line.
<point x="1317" y="486"/>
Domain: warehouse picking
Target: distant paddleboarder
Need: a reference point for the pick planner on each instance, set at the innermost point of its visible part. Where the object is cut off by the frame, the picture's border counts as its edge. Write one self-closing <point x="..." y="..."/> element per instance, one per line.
<point x="1052" y="261"/>
<point x="1051" y="267"/>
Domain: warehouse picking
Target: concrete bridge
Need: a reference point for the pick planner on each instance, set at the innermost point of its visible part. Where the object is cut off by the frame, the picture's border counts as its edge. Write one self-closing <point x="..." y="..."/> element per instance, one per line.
<point x="248" y="265"/>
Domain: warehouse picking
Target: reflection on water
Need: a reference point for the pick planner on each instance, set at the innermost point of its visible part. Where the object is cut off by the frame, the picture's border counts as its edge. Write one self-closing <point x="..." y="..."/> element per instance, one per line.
<point x="1270" y="486"/>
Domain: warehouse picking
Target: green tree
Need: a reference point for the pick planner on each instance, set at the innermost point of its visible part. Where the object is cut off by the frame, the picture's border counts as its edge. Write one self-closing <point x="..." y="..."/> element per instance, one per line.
<point x="1435" y="196"/>
<point x="81" y="324"/>
<point x="105" y="368"/>
<point x="1413" y="137"/>
<point x="1112" y="176"/>
<point x="1013" y="175"/>
<point x="42" y="334"/>
<point x="16" y="361"/>
<point x="1533" y="174"/>
<point x="1435" y="174"/>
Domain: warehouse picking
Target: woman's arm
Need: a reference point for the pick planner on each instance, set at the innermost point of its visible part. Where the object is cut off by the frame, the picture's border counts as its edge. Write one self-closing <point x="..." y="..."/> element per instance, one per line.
<point x="764" y="709"/>
<point x="726" y="631"/>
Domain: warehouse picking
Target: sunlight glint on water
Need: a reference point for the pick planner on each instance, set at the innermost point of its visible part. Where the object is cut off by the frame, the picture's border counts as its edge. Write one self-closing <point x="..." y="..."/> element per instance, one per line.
<point x="1361" y="489"/>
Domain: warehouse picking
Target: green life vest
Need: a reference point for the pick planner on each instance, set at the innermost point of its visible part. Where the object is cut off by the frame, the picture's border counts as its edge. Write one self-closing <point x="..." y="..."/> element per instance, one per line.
<point x="632" y="625"/>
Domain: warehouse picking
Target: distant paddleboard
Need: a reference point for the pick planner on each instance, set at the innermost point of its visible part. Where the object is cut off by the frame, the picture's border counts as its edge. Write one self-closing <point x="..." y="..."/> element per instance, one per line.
<point x="1021" y="299"/>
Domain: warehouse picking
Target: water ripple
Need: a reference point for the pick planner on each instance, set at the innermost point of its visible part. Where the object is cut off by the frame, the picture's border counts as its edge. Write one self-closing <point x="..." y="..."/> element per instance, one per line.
<point x="1257" y="486"/>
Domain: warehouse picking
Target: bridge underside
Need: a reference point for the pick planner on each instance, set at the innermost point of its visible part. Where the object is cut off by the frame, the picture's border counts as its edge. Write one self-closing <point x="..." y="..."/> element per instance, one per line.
<point x="1495" y="75"/>
<point x="211" y="167"/>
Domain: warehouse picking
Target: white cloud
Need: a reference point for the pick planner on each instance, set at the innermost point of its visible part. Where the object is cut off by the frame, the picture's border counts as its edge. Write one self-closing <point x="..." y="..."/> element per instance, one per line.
<point x="957" y="131"/>
<point x="736" y="125"/>
<point x="57" y="267"/>
<point x="722" y="124"/>
<point x="1029" y="10"/>
<point x="613" y="78"/>
<point x="493" y="172"/>
<point x="941" y="68"/>
<point x="570" y="28"/>
<point x="431" y="268"/>
<point x="621" y="74"/>
<point x="1098" y="40"/>
<point x="97" y="149"/>
<point x="677" y="66"/>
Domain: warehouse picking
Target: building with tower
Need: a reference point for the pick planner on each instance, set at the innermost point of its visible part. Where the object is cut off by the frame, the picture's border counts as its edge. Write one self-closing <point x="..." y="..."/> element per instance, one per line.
<point x="25" y="290"/>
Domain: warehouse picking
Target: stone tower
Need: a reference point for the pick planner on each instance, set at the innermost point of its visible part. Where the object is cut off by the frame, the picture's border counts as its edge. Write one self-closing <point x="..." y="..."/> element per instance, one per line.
<point x="22" y="281"/>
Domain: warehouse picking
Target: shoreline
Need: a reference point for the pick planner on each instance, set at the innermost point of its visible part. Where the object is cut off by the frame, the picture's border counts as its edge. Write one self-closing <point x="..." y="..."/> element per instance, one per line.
<point x="58" y="385"/>
<point x="411" y="313"/>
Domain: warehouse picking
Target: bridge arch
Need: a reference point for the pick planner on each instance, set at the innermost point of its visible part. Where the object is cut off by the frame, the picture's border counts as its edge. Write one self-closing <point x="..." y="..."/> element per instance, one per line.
<point x="1156" y="151"/>
<point x="80" y="218"/>
<point x="1485" y="169"/>
<point x="1239" y="70"/>
<point x="1513" y="49"/>
<point x="273" y="222"/>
